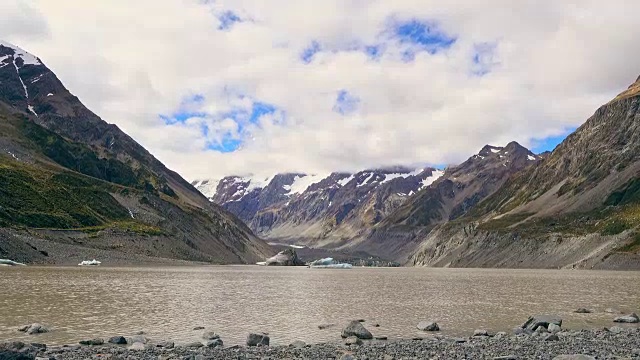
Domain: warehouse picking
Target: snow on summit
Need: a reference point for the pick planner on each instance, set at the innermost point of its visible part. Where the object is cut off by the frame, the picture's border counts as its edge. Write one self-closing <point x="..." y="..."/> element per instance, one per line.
<point x="26" y="57"/>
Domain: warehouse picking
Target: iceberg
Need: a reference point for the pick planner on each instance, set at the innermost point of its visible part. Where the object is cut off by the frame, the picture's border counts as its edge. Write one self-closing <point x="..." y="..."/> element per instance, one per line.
<point x="333" y="266"/>
<point x="261" y="263"/>
<point x="7" y="262"/>
<point x="93" y="262"/>
<point x="328" y="263"/>
<point x="325" y="261"/>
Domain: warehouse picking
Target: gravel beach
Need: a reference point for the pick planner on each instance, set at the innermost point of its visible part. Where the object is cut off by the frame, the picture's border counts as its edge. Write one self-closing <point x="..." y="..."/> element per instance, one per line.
<point x="617" y="343"/>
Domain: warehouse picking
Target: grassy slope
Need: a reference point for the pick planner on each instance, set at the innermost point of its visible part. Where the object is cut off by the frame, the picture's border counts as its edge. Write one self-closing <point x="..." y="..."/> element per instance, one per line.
<point x="42" y="194"/>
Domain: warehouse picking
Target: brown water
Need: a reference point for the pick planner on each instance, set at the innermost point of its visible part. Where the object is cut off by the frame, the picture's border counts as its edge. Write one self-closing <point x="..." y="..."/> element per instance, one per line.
<point x="290" y="303"/>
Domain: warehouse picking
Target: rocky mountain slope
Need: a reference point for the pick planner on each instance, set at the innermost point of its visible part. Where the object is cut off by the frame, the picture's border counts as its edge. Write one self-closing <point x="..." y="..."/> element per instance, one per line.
<point x="323" y="210"/>
<point x="579" y="207"/>
<point x="450" y="197"/>
<point x="76" y="185"/>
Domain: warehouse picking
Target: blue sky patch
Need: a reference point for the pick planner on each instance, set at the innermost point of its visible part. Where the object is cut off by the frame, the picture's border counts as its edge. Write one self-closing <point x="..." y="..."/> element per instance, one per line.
<point x="242" y="117"/>
<point x="227" y="19"/>
<point x="227" y="145"/>
<point x="550" y="143"/>
<point x="423" y="35"/>
<point x="373" y="51"/>
<point x="310" y="51"/>
<point x="346" y="103"/>
<point x="181" y="117"/>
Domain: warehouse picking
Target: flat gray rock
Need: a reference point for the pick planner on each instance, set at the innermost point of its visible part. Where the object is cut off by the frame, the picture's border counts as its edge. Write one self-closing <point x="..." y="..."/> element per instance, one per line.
<point x="428" y="326"/>
<point x="583" y="311"/>
<point x="629" y="319"/>
<point x="92" y="342"/>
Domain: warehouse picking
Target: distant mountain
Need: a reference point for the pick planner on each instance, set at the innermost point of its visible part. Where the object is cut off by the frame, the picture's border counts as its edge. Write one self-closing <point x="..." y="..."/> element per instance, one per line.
<point x="450" y="197"/>
<point x="317" y="209"/>
<point x="67" y="174"/>
<point x="578" y="207"/>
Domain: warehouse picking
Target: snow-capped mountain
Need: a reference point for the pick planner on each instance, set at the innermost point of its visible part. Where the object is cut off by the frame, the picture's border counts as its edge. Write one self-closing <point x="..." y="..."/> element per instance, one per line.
<point x="317" y="206"/>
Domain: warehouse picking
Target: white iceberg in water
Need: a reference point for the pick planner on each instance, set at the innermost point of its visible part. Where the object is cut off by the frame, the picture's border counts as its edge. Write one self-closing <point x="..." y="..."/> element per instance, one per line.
<point x="333" y="266"/>
<point x="93" y="262"/>
<point x="328" y="263"/>
<point x="7" y="262"/>
<point x="325" y="261"/>
<point x="261" y="263"/>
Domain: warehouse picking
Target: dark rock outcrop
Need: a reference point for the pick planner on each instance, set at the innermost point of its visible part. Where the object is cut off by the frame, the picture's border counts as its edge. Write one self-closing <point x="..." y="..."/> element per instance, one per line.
<point x="257" y="340"/>
<point x="355" y="328"/>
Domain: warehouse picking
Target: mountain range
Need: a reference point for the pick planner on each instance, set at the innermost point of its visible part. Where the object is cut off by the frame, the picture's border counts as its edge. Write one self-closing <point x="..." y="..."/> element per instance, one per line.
<point x="574" y="207"/>
<point x="75" y="186"/>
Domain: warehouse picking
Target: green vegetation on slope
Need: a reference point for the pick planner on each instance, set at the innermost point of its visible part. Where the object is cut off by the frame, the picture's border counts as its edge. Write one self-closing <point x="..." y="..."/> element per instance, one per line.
<point x="83" y="159"/>
<point x="34" y="197"/>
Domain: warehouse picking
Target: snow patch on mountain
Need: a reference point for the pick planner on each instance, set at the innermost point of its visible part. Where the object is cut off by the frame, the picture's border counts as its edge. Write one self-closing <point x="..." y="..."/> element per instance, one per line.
<point x="346" y="180"/>
<point x="207" y="187"/>
<point x="27" y="58"/>
<point x="302" y="182"/>
<point x="366" y="180"/>
<point x="33" y="111"/>
<point x="435" y="175"/>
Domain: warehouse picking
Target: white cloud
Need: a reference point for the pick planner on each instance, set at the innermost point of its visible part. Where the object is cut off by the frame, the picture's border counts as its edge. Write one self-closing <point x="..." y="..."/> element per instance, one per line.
<point x="550" y="65"/>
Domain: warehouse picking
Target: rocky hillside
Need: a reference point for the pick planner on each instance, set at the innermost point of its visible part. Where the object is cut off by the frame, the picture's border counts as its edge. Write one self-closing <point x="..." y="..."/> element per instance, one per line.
<point x="76" y="185"/>
<point x="450" y="197"/>
<point x="579" y="207"/>
<point x="317" y="209"/>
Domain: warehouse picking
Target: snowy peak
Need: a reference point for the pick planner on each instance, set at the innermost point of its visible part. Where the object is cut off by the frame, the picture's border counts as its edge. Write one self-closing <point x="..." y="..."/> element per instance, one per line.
<point x="19" y="56"/>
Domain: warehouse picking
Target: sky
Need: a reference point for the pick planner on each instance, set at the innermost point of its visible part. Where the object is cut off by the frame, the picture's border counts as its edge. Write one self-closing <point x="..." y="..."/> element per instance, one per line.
<point x="216" y="88"/>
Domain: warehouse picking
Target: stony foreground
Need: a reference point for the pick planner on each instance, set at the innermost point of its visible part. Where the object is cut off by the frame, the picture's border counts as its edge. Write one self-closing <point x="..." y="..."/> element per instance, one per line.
<point x="594" y="344"/>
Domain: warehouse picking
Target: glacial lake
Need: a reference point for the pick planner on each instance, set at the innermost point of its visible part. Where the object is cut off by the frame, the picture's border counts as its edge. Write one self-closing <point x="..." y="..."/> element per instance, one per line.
<point x="289" y="303"/>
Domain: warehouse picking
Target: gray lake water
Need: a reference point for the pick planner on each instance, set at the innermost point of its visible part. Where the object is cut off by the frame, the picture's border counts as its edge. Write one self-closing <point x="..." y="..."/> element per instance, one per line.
<point x="290" y="303"/>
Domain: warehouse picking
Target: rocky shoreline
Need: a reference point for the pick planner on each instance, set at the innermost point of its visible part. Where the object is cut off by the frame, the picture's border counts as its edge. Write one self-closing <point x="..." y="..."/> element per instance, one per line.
<point x="540" y="337"/>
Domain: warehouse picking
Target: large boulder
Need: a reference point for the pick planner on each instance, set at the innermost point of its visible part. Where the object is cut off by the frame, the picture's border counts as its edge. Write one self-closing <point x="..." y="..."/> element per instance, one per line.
<point x="257" y="340"/>
<point x="355" y="328"/>
<point x="428" y="326"/>
<point x="631" y="319"/>
<point x="537" y="321"/>
<point x="287" y="257"/>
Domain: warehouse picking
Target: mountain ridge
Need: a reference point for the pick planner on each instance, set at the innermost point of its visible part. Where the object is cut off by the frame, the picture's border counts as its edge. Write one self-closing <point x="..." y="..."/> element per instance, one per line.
<point x="96" y="181"/>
